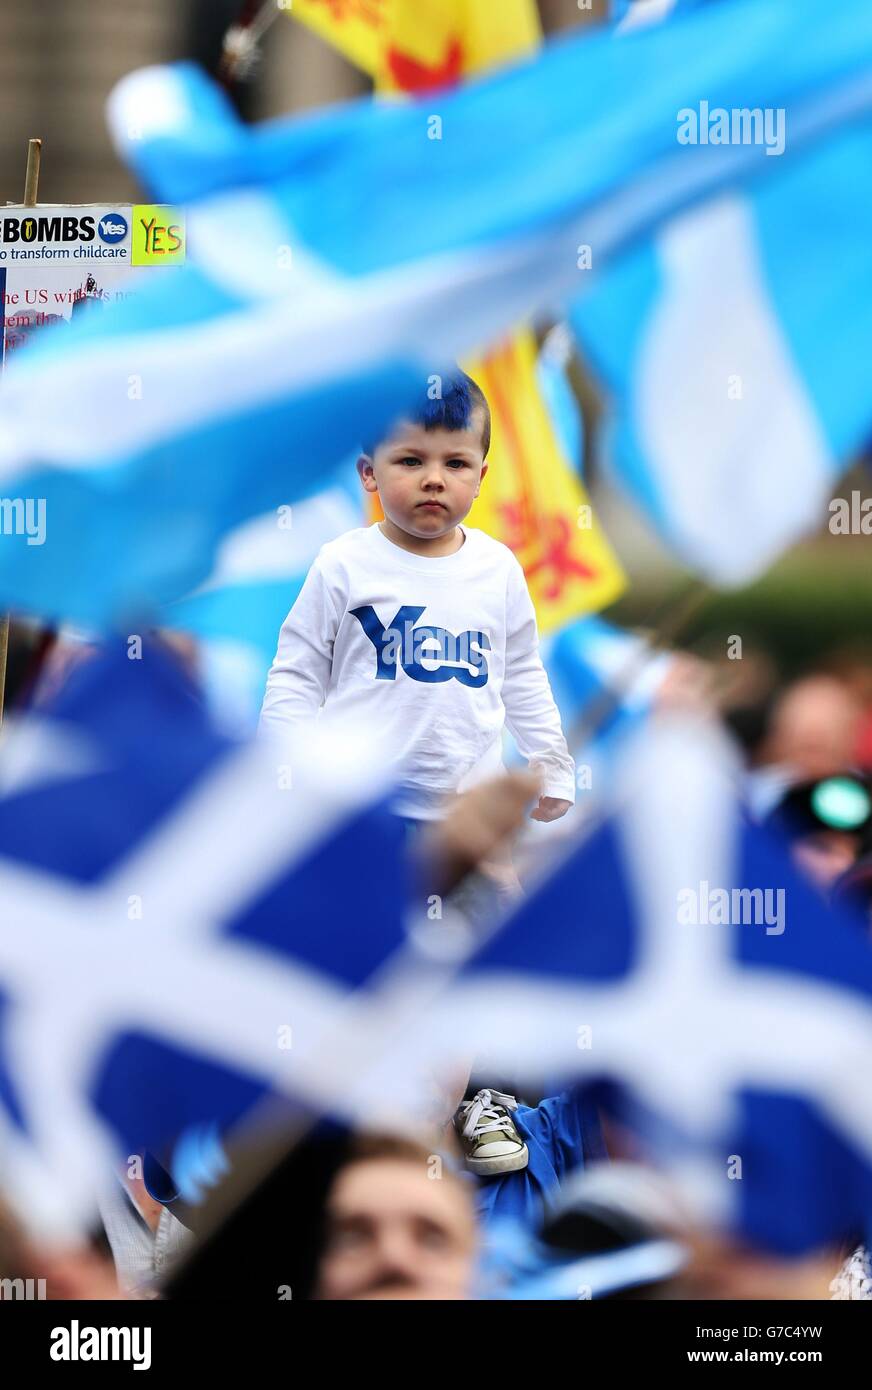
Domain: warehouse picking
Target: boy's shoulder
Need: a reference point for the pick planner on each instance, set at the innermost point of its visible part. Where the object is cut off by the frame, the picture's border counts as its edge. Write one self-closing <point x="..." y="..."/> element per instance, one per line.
<point x="495" y="553"/>
<point x="349" y="543"/>
<point x="489" y="545"/>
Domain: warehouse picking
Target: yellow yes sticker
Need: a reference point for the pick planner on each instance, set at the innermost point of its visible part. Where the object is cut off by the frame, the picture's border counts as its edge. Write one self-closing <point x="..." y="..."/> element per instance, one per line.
<point x="158" y="235"/>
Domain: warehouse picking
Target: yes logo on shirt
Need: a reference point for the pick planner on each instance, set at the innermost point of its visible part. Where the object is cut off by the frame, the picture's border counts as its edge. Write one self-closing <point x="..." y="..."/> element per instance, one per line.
<point x="404" y="644"/>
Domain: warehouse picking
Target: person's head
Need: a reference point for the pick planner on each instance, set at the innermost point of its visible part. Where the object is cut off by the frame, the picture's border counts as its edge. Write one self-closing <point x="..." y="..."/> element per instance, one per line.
<point x="853" y="891"/>
<point x="71" y="1271"/>
<point x="814" y="727"/>
<point x="429" y="469"/>
<point x="825" y="855"/>
<point x="825" y="823"/>
<point x="399" y="1225"/>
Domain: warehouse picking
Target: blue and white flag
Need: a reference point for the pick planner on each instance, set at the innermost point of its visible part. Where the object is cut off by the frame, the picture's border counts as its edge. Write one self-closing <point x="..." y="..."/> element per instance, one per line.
<point x="595" y="666"/>
<point x="729" y="343"/>
<point x="338" y="262"/>
<point x="259" y="570"/>
<point x="678" y="954"/>
<point x="187" y="924"/>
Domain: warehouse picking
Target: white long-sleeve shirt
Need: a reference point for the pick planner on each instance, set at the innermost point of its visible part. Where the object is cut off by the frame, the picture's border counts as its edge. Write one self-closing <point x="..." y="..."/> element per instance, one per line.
<point x="436" y="652"/>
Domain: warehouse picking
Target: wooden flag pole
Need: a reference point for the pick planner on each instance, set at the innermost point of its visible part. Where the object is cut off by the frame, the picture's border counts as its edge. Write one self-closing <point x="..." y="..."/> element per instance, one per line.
<point x="31" y="174"/>
<point x="31" y="191"/>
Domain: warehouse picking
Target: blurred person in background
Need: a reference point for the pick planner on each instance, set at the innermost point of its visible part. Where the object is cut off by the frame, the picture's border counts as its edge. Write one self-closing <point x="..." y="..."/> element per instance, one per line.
<point x="828" y="827"/>
<point x="399" y="1224"/>
<point x="35" y="1269"/>
<point x="814" y="728"/>
<point x="853" y="891"/>
<point x="332" y="1216"/>
<point x="144" y="1235"/>
<point x="725" y="1269"/>
<point x="826" y="823"/>
<point x="852" y="665"/>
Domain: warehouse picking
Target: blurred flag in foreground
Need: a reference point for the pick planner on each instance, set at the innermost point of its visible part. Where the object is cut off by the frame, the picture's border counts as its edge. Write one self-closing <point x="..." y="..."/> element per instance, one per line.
<point x="733" y="372"/>
<point x="677" y="953"/>
<point x="339" y="260"/>
<point x="605" y="682"/>
<point x="176" y="942"/>
<point x="259" y="570"/>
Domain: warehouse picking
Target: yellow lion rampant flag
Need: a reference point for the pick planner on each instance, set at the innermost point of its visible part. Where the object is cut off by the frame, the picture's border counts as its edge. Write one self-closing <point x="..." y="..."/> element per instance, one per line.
<point x="421" y="45"/>
<point x="358" y="28"/>
<point x="533" y="499"/>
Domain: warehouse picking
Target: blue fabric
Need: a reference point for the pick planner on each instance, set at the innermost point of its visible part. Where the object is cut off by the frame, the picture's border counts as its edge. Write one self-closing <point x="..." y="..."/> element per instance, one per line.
<point x="155" y="510"/>
<point x="587" y="659"/>
<point x="562" y="1133"/>
<point x="591" y="923"/>
<point x="824" y="324"/>
<point x="151" y="747"/>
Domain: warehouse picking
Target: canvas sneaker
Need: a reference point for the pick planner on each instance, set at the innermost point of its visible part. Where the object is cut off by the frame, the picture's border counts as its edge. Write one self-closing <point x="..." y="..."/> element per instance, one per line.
<point x="488" y="1137"/>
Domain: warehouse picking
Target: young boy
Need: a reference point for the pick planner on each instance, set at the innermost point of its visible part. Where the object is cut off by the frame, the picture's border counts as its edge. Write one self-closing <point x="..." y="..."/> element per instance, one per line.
<point x="425" y="626"/>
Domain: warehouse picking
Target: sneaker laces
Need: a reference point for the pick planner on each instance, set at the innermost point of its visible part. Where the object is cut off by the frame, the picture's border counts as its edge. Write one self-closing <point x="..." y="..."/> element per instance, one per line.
<point x="487" y="1114"/>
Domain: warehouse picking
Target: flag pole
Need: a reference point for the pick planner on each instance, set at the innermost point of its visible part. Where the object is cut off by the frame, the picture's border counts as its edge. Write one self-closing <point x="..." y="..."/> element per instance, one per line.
<point x="31" y="173"/>
<point x="31" y="190"/>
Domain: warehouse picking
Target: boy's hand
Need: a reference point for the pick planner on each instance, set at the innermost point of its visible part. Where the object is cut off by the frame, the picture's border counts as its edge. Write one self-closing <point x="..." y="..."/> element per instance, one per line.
<point x="476" y="830"/>
<point x="550" y="808"/>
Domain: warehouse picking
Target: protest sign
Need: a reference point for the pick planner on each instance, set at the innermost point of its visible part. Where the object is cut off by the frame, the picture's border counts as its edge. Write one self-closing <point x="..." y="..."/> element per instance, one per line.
<point x="57" y="262"/>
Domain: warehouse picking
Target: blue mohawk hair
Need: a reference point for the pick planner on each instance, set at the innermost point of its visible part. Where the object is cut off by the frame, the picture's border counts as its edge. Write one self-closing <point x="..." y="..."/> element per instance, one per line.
<point x="453" y="409"/>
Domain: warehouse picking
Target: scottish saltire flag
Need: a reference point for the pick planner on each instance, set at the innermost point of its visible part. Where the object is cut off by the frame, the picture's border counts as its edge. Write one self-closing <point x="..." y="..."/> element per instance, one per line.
<point x="676" y="952"/>
<point x="259" y="570"/>
<point x="592" y="664"/>
<point x="732" y="409"/>
<point x="183" y="927"/>
<point x="261" y="565"/>
<point x="338" y="262"/>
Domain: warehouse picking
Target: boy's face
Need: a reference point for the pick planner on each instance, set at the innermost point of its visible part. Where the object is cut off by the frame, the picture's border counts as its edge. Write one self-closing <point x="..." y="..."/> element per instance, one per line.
<point x="426" y="480"/>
